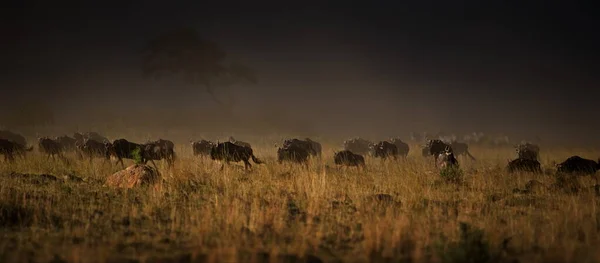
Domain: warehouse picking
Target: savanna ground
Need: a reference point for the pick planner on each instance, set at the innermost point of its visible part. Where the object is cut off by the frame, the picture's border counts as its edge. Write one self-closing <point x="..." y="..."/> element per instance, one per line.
<point x="283" y="213"/>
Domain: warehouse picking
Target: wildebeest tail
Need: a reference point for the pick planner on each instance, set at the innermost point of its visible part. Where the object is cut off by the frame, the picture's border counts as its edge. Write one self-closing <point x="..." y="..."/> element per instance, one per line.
<point x="256" y="160"/>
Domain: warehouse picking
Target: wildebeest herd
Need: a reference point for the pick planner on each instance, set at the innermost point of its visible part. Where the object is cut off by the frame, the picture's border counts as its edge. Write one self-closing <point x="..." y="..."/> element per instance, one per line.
<point x="90" y="145"/>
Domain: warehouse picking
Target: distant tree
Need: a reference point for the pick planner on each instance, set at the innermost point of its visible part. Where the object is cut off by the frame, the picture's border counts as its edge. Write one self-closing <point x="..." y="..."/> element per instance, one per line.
<point x="184" y="53"/>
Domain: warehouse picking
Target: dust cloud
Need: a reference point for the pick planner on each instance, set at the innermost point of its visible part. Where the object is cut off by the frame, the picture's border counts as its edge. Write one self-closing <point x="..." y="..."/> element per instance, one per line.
<point x="375" y="73"/>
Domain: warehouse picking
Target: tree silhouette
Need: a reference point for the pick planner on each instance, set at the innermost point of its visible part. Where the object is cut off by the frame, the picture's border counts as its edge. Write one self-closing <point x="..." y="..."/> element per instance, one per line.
<point x="182" y="52"/>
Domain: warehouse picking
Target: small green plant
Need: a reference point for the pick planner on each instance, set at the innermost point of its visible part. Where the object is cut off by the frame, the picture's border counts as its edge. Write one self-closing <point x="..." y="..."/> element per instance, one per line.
<point x="452" y="174"/>
<point x="137" y="155"/>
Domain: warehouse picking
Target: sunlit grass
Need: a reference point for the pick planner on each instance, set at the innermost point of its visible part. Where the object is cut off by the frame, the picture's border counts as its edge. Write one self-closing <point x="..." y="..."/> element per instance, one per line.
<point x="282" y="212"/>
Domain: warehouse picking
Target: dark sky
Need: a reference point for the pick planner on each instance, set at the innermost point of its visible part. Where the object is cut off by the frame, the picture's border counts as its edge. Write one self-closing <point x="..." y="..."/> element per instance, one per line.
<point x="528" y="67"/>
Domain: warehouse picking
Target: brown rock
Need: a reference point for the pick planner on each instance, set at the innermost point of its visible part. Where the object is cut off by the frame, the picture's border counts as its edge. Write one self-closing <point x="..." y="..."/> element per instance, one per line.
<point x="134" y="176"/>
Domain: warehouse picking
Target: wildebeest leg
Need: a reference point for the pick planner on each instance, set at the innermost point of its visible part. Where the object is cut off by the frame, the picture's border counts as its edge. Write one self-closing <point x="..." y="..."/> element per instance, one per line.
<point x="247" y="164"/>
<point x="120" y="160"/>
<point x="222" y="166"/>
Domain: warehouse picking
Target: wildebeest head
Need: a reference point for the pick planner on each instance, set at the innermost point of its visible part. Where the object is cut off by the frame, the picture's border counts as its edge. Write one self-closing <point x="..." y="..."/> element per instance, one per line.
<point x="447" y="158"/>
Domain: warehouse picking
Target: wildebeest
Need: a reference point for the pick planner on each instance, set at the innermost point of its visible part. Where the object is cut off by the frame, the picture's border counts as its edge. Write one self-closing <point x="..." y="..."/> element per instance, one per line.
<point x="402" y="147"/>
<point x="81" y="137"/>
<point x="14" y="137"/>
<point x="9" y="149"/>
<point x="158" y="150"/>
<point x="437" y="147"/>
<point x="358" y="146"/>
<point x="50" y="147"/>
<point x="293" y="153"/>
<point x="528" y="151"/>
<point x="577" y="165"/>
<point x="348" y="158"/>
<point x="161" y="149"/>
<point x="312" y="147"/>
<point x="239" y="143"/>
<point x="66" y="143"/>
<point x="461" y="148"/>
<point x="122" y="148"/>
<point x="446" y="159"/>
<point x="524" y="165"/>
<point x="385" y="149"/>
<point x="202" y="147"/>
<point x="228" y="151"/>
<point x="92" y="148"/>
<point x="316" y="146"/>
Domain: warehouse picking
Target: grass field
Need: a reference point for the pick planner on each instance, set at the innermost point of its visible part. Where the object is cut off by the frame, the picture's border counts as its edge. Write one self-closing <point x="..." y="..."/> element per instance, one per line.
<point x="284" y="213"/>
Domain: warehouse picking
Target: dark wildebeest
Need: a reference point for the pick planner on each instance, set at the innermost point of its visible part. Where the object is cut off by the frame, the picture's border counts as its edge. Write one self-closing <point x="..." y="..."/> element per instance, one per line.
<point x="293" y="153"/>
<point x="202" y="147"/>
<point x="228" y="151"/>
<point x="578" y="165"/>
<point x="403" y="147"/>
<point x="312" y="147"/>
<point x="316" y="146"/>
<point x="122" y="148"/>
<point x="14" y="137"/>
<point x="162" y="149"/>
<point x="461" y="148"/>
<point x="437" y="147"/>
<point x="349" y="158"/>
<point x="524" y="165"/>
<point x="446" y="159"/>
<point x="239" y="143"/>
<point x="92" y="148"/>
<point x="358" y="146"/>
<point x="81" y="137"/>
<point x="385" y="149"/>
<point x="66" y="143"/>
<point x="50" y="147"/>
<point x="159" y="150"/>
<point x="9" y="149"/>
<point x="528" y="151"/>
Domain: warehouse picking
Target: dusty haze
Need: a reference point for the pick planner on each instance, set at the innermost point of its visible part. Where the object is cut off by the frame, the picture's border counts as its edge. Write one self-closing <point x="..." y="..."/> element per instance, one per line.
<point x="324" y="70"/>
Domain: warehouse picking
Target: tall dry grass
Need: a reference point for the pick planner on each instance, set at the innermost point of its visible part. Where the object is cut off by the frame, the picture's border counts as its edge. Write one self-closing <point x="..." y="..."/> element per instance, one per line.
<point x="284" y="213"/>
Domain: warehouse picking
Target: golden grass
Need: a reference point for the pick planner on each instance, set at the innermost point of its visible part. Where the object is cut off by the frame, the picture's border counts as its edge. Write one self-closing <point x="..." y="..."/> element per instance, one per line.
<point x="284" y="213"/>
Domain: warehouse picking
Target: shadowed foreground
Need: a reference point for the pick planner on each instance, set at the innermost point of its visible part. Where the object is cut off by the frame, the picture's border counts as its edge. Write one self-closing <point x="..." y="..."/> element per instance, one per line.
<point x="401" y="211"/>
